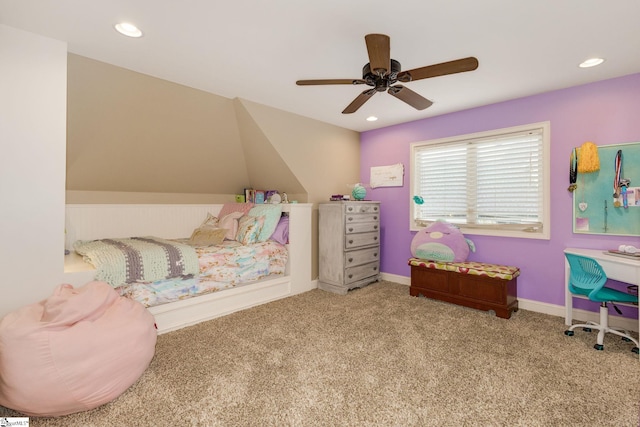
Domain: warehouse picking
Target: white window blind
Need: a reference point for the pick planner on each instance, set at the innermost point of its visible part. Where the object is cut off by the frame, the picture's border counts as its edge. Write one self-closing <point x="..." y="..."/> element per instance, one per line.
<point x="493" y="181"/>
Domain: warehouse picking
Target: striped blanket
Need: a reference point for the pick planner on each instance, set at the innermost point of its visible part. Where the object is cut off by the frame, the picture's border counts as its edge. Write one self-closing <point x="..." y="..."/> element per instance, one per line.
<point x="122" y="261"/>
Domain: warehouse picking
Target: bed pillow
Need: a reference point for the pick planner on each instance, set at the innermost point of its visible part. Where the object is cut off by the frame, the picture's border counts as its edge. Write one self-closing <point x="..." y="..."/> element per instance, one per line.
<point x="228" y="208"/>
<point x="249" y="228"/>
<point x="271" y="214"/>
<point x="211" y="221"/>
<point x="230" y="223"/>
<point x="207" y="236"/>
<point x="281" y="233"/>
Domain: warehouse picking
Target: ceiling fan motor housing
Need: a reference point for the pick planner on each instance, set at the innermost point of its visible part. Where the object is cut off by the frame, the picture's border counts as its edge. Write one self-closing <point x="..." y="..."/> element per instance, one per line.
<point x="381" y="83"/>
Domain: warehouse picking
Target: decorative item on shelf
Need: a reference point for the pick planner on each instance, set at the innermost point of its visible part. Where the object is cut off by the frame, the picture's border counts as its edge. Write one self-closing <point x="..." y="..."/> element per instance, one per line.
<point x="240" y="198"/>
<point x="359" y="192"/>
<point x="249" y="195"/>
<point x="285" y="198"/>
<point x="260" y="197"/>
<point x="269" y="196"/>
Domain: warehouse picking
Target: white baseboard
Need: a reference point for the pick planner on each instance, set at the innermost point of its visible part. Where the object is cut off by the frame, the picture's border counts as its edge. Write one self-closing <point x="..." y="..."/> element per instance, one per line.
<point x="403" y="280"/>
<point x="545" y="308"/>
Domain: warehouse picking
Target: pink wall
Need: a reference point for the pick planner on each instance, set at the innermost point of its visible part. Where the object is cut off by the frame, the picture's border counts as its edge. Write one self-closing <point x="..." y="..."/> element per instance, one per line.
<point x="606" y="112"/>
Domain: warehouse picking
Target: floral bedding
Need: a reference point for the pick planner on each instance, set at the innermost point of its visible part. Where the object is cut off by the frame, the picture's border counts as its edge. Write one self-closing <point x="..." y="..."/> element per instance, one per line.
<point x="227" y="265"/>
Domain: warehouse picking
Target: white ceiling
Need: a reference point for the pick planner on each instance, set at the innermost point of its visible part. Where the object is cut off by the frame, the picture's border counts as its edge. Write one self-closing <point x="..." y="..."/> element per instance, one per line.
<point x="256" y="50"/>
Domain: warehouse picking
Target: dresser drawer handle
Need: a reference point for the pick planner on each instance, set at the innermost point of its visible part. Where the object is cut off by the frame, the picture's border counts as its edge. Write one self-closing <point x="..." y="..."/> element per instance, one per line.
<point x="376" y="254"/>
<point x="350" y="208"/>
<point x="375" y="227"/>
<point x="375" y="268"/>
<point x="350" y="218"/>
<point x="350" y="276"/>
<point x="350" y="241"/>
<point x="375" y="217"/>
<point x="351" y="229"/>
<point x="350" y="259"/>
<point x="375" y="238"/>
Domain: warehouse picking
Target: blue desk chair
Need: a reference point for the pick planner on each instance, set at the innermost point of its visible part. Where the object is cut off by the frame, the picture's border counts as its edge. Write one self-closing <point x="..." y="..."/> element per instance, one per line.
<point x="587" y="278"/>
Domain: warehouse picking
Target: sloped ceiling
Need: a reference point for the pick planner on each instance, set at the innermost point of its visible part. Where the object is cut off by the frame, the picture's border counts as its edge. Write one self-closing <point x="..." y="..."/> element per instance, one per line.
<point x="266" y="168"/>
<point x="130" y="132"/>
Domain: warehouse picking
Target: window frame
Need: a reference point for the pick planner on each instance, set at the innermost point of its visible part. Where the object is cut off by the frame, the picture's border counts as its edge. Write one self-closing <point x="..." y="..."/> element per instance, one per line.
<point x="545" y="233"/>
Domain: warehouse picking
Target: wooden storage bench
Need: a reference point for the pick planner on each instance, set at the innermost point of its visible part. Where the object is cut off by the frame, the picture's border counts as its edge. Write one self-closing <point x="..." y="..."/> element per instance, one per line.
<point x="471" y="284"/>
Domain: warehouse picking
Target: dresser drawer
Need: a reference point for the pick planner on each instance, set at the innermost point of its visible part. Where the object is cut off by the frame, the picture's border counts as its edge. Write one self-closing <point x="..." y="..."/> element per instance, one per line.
<point x="362" y="239"/>
<point x="364" y="208"/>
<point x="361" y="256"/>
<point x="362" y="227"/>
<point x="353" y="218"/>
<point x="353" y="274"/>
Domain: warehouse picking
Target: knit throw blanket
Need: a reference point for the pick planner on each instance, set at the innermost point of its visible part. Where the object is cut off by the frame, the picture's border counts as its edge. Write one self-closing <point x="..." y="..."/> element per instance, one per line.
<point x="138" y="259"/>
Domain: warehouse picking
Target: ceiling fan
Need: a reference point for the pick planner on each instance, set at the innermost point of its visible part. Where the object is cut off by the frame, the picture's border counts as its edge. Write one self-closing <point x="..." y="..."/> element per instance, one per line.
<point x="382" y="73"/>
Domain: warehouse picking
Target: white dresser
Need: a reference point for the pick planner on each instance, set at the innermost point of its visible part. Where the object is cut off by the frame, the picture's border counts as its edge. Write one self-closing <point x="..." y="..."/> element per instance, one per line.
<point x="349" y="245"/>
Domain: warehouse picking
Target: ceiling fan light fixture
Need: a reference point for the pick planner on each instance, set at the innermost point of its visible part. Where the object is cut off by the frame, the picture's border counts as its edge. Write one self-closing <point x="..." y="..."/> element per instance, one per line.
<point x="372" y="118"/>
<point x="128" y="29"/>
<point x="591" y="62"/>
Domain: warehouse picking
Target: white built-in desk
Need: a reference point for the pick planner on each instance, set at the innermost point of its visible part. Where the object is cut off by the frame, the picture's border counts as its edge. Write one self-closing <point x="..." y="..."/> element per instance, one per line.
<point x="616" y="267"/>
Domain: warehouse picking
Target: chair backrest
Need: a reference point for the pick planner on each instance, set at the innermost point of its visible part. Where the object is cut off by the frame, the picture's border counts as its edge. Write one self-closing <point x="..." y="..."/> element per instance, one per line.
<point x="587" y="277"/>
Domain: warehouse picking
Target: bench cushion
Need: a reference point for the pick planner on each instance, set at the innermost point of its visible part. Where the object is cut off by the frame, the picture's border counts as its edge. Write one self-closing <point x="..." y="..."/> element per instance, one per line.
<point x="497" y="271"/>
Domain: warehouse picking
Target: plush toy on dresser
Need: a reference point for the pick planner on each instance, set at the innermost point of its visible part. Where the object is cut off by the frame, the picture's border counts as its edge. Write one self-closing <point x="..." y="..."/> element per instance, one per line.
<point x="441" y="241"/>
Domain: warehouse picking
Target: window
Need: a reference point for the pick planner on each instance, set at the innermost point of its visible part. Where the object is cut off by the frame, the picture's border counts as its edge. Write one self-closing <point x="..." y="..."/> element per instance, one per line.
<point x="490" y="183"/>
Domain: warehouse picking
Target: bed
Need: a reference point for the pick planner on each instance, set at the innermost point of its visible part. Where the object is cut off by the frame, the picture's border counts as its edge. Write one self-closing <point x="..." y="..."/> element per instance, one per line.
<point x="282" y="270"/>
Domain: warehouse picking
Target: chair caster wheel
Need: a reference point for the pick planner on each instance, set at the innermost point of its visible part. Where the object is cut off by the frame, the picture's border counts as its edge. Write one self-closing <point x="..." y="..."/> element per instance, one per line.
<point x="586" y="329"/>
<point x="568" y="333"/>
<point x="599" y="347"/>
<point x="635" y="350"/>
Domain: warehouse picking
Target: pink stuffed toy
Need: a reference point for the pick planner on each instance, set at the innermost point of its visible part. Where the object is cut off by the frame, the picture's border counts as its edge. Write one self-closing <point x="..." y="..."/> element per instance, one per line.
<point x="441" y="241"/>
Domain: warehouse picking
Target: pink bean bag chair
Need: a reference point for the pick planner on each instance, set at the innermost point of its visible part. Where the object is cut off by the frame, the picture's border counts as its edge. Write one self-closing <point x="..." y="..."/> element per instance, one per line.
<point x="74" y="351"/>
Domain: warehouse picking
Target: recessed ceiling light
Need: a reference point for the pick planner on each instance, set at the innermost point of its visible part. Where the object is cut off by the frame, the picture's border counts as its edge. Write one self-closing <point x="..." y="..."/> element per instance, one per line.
<point x="591" y="62"/>
<point x="372" y="118"/>
<point x="128" y="30"/>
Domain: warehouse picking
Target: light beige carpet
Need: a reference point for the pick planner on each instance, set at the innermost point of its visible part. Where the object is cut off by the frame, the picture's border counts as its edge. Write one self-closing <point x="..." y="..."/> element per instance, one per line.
<point x="376" y="357"/>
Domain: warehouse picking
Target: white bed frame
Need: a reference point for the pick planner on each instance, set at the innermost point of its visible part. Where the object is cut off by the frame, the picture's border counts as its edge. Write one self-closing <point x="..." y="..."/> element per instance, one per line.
<point x="88" y="222"/>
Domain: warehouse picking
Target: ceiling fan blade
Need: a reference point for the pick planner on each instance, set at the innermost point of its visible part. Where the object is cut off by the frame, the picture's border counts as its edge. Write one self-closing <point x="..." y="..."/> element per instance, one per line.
<point x="359" y="101"/>
<point x="330" y="82"/>
<point x="442" y="69"/>
<point x="379" y="50"/>
<point x="412" y="98"/>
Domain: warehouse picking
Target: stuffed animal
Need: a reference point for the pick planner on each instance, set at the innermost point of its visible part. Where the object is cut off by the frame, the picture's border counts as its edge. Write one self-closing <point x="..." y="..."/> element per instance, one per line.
<point x="441" y="241"/>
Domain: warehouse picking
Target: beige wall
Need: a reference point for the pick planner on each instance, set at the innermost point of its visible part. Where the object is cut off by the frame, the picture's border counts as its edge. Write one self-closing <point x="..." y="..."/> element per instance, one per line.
<point x="134" y="138"/>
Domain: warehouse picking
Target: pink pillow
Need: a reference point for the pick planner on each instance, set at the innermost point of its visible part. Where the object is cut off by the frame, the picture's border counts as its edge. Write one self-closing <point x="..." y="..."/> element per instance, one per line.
<point x="228" y="208"/>
<point x="74" y="351"/>
<point x="230" y="223"/>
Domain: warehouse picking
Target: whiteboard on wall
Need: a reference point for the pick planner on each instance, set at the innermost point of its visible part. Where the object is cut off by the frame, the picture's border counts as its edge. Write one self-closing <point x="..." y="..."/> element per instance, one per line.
<point x="387" y="176"/>
<point x="595" y="209"/>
